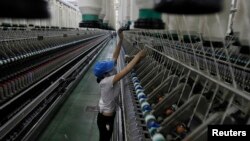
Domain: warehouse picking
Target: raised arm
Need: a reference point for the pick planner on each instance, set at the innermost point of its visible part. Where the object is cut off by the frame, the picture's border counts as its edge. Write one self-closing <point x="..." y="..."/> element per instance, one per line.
<point x="118" y="46"/>
<point x="130" y="66"/>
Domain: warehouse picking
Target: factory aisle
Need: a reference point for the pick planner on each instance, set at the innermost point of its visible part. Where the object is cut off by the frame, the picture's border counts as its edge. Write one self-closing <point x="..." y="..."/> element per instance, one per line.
<point x="76" y="120"/>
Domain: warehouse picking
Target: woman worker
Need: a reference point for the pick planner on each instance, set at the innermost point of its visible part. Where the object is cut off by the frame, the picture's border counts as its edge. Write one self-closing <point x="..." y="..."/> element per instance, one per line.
<point x="108" y="79"/>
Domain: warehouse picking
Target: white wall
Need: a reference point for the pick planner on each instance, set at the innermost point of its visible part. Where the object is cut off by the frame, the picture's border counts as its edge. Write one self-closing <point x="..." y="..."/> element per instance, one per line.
<point x="103" y="10"/>
<point x="90" y="3"/>
<point x="90" y="6"/>
<point x="127" y="11"/>
<point x="242" y="21"/>
<point x="112" y="18"/>
<point x="214" y="26"/>
<point x="134" y="14"/>
<point x="146" y="4"/>
<point x="106" y="18"/>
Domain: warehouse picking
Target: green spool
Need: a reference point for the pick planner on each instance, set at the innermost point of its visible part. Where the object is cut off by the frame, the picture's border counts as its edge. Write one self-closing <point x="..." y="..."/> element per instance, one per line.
<point x="149" y="14"/>
<point x="89" y="17"/>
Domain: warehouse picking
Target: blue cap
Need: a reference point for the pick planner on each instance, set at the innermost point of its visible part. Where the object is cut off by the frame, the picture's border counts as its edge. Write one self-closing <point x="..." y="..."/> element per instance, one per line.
<point x="103" y="67"/>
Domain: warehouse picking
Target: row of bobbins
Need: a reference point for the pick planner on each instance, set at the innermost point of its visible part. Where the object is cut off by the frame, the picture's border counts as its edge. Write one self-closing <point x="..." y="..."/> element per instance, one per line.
<point x="150" y="119"/>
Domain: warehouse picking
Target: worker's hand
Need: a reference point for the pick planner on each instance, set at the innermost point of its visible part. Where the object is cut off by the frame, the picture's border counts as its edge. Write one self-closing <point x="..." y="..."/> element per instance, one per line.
<point x="128" y="58"/>
<point x="142" y="53"/>
<point x="121" y="36"/>
<point x="120" y="33"/>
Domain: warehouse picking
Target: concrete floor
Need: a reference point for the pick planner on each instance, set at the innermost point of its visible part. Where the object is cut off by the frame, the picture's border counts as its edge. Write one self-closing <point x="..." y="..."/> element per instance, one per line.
<point x="73" y="122"/>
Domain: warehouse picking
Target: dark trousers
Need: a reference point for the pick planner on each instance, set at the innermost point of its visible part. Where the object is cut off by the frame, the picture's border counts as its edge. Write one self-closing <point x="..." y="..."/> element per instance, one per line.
<point x="105" y="125"/>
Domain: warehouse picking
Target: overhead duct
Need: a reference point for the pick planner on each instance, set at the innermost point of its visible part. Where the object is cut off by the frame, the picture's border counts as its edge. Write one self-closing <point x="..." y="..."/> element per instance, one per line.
<point x="29" y="9"/>
<point x="148" y="18"/>
<point x="90" y="10"/>
<point x="188" y="6"/>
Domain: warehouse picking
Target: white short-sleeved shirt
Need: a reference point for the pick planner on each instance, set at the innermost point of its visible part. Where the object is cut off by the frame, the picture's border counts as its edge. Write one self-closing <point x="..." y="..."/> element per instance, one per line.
<point x="109" y="94"/>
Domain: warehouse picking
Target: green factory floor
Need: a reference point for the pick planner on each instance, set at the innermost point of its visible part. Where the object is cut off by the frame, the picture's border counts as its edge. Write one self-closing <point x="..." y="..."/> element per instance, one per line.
<point x="74" y="122"/>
